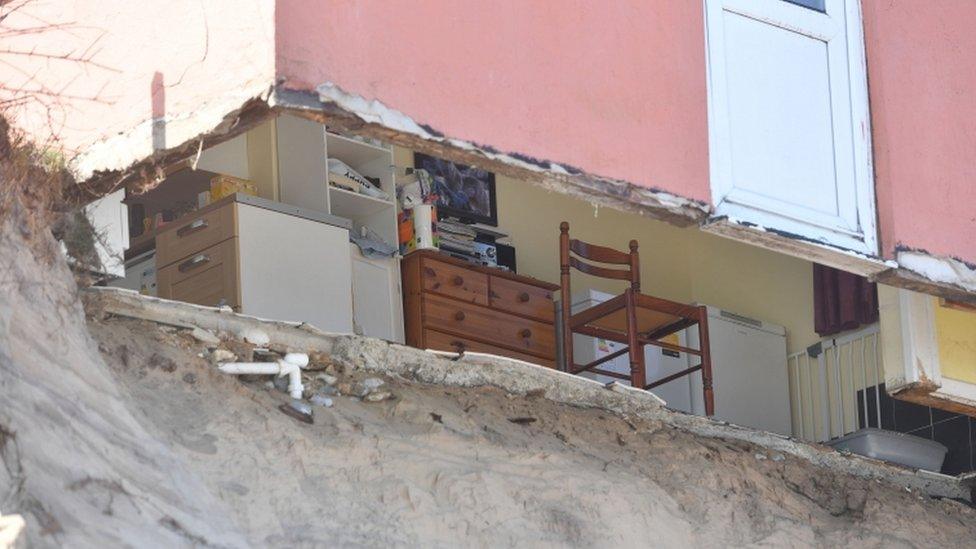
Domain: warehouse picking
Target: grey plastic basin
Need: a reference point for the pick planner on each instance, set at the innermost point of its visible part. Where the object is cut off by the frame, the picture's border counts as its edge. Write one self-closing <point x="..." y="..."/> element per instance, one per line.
<point x="907" y="450"/>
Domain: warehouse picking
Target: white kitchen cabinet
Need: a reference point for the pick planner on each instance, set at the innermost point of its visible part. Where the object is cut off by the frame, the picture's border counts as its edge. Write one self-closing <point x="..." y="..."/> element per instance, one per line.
<point x="376" y="300"/>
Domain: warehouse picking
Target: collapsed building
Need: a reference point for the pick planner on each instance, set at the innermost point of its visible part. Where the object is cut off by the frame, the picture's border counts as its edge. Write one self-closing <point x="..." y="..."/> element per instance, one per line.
<point x="792" y="286"/>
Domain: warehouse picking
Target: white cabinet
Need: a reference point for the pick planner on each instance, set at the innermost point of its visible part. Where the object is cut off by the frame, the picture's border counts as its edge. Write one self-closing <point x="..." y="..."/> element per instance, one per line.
<point x="294" y="269"/>
<point x="749" y="372"/>
<point x="303" y="148"/>
<point x="376" y="301"/>
<point x="788" y="119"/>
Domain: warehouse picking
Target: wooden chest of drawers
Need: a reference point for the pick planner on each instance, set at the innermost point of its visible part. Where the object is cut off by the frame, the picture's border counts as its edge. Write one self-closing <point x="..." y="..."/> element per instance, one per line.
<point x="451" y="305"/>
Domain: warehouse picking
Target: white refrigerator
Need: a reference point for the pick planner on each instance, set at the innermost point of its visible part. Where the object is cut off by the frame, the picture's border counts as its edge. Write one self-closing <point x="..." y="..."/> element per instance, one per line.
<point x="749" y="376"/>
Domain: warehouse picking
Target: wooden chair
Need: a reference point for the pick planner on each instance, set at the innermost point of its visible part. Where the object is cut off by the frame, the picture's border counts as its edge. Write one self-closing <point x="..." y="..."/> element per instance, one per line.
<point x="631" y="317"/>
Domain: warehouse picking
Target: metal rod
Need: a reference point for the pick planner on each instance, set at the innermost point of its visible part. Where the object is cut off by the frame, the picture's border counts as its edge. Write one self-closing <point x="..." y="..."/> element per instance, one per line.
<point x="825" y="413"/>
<point x="813" y="415"/>
<point x="853" y="393"/>
<point x="877" y="378"/>
<point x="864" y="375"/>
<point x="799" y="396"/>
<point x="840" y="390"/>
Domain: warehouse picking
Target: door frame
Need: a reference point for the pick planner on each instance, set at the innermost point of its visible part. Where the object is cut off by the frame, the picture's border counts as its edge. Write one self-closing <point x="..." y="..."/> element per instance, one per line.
<point x="866" y="240"/>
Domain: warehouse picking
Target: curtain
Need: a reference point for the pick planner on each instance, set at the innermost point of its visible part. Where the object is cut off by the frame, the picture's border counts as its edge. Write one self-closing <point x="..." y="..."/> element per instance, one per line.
<point x="842" y="301"/>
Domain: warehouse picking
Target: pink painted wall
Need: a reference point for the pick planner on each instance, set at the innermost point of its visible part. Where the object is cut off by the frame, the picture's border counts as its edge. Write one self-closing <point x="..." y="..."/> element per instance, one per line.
<point x="615" y="89"/>
<point x="104" y="68"/>
<point x="922" y="80"/>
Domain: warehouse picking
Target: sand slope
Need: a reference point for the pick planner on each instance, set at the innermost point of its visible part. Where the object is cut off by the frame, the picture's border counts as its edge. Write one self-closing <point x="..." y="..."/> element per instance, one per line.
<point x="441" y="466"/>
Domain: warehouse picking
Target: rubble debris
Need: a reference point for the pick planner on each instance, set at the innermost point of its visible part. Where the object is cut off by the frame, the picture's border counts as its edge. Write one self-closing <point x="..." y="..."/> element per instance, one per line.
<point x="299" y="410"/>
<point x="204" y="336"/>
<point x="322" y="400"/>
<point x="328" y="379"/>
<point x="280" y="383"/>
<point x="378" y="396"/>
<point x="255" y="336"/>
<point x="522" y="420"/>
<point x="222" y="355"/>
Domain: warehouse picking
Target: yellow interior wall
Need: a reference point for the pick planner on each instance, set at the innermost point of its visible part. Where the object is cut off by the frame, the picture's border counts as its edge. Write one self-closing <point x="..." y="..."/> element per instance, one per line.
<point x="261" y="161"/>
<point x="680" y="264"/>
<point x="956" y="334"/>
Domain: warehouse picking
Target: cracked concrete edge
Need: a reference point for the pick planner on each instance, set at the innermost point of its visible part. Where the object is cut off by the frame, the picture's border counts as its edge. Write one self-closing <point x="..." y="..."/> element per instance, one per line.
<point x="372" y="118"/>
<point x="513" y="376"/>
<point x="130" y="159"/>
<point x="119" y="153"/>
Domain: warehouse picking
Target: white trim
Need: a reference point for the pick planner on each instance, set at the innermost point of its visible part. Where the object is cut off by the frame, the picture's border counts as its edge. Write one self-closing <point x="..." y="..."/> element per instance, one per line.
<point x="863" y="236"/>
<point x="957" y="391"/>
<point x="920" y="344"/>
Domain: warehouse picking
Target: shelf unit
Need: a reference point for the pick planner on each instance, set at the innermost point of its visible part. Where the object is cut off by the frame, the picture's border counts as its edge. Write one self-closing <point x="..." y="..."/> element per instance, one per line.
<point x="365" y="211"/>
<point x="303" y="150"/>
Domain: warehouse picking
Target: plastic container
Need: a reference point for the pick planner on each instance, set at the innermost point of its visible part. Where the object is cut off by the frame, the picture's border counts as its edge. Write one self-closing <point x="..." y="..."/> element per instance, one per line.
<point x="907" y="450"/>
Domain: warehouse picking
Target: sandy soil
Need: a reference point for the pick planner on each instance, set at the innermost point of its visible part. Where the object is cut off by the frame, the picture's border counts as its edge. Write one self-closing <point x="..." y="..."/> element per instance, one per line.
<point x="438" y="466"/>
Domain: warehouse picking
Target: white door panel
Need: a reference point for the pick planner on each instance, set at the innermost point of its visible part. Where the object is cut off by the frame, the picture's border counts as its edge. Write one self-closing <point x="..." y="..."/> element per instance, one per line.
<point x="787" y="119"/>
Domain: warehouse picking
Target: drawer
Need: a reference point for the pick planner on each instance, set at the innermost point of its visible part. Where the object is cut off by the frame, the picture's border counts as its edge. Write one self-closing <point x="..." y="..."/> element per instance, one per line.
<point x="453" y="281"/>
<point x="483" y="324"/>
<point x="206" y="278"/>
<point x="445" y="342"/>
<point x="521" y="298"/>
<point x="189" y="236"/>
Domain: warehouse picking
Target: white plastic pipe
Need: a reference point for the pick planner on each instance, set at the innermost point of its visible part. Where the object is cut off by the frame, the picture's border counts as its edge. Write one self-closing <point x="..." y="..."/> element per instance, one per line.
<point x="290" y="366"/>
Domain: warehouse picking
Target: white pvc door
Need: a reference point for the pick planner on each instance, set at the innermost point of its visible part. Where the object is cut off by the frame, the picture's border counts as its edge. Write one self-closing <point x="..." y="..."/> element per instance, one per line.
<point x="788" y="118"/>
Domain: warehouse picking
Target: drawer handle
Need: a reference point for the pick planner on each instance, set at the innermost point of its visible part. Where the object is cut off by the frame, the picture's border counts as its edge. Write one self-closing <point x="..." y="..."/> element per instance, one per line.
<point x="197" y="225"/>
<point x="526" y="333"/>
<point x="523" y="297"/>
<point x="193" y="262"/>
<point x="429" y="272"/>
<point x="459" y="316"/>
<point x="458" y="280"/>
<point x="459" y="346"/>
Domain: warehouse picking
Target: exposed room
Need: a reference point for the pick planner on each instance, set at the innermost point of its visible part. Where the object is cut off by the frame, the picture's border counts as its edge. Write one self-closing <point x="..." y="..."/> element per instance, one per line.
<point x="297" y="221"/>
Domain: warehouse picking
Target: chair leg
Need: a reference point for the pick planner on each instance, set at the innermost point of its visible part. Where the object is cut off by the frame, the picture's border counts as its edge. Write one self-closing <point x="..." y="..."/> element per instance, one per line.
<point x="638" y="378"/>
<point x="706" y="361"/>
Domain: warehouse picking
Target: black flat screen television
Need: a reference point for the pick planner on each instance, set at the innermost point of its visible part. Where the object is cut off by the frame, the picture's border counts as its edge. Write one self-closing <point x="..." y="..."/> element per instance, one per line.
<point x="463" y="192"/>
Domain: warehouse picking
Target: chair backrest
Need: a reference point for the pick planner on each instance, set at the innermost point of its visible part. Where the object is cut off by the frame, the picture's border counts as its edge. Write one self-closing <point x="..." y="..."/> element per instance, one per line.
<point x="568" y="249"/>
<point x="573" y="251"/>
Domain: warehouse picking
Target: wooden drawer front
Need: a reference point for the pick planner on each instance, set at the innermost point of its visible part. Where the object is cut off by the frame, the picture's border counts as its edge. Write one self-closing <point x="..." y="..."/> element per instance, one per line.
<point x="440" y="341"/>
<point x="521" y="298"/>
<point x="207" y="278"/>
<point x="505" y="330"/>
<point x="454" y="281"/>
<point x="189" y="236"/>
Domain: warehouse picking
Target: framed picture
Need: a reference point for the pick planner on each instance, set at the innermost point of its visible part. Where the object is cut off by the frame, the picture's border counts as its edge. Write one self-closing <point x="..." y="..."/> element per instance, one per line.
<point x="463" y="192"/>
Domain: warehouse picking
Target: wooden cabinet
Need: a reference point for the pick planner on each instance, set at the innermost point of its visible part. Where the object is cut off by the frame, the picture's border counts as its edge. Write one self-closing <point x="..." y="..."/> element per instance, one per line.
<point x="206" y="277"/>
<point x="451" y="305"/>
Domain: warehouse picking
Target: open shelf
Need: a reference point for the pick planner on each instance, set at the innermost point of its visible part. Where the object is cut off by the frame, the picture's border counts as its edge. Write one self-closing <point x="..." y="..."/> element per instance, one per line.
<point x="352" y="152"/>
<point x="354" y="205"/>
